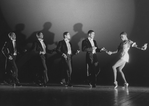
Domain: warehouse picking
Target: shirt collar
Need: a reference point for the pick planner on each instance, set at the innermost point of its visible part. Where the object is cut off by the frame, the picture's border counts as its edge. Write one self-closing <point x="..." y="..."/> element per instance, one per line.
<point x="66" y="40"/>
<point x="13" y="40"/>
<point x="90" y="39"/>
<point x="40" y="39"/>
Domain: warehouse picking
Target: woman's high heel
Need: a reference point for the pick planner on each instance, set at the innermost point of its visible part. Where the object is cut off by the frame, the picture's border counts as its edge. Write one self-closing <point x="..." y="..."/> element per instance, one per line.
<point x="126" y="85"/>
<point x="116" y="85"/>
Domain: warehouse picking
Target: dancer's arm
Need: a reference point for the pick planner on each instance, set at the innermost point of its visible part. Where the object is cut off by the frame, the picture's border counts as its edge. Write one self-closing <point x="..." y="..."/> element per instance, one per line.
<point x="144" y="47"/>
<point x="112" y="52"/>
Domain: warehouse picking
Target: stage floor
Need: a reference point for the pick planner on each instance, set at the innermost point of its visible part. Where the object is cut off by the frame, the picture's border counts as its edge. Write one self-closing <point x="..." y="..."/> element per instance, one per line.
<point x="78" y="95"/>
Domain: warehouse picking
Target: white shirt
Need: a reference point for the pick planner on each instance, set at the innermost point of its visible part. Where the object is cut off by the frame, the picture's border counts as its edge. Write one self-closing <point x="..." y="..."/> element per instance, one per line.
<point x="14" y="47"/>
<point x="68" y="46"/>
<point x="43" y="45"/>
<point x="92" y="44"/>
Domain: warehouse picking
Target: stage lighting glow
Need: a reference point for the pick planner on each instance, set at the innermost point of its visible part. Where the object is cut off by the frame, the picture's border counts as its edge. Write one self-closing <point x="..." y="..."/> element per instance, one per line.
<point x="106" y="17"/>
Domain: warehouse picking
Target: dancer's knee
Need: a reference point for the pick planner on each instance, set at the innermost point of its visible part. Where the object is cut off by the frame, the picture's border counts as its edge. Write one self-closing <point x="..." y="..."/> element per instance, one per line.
<point x="114" y="68"/>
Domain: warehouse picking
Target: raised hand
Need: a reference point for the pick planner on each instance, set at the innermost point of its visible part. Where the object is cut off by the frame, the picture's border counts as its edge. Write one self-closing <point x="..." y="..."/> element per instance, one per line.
<point x="104" y="49"/>
<point x="10" y="58"/>
<point x="109" y="52"/>
<point x="134" y="44"/>
<point x="94" y="48"/>
<point x="78" y="51"/>
<point x="64" y="55"/>
<point x="144" y="47"/>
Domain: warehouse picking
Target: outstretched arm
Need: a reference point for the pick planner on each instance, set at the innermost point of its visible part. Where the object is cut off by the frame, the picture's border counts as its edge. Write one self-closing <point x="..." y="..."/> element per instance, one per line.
<point x="103" y="49"/>
<point x="110" y="52"/>
<point x="116" y="51"/>
<point x="144" y="47"/>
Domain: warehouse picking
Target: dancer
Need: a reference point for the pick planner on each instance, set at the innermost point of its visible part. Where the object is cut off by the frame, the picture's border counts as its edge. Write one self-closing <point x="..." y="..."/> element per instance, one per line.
<point x="10" y="51"/>
<point x="41" y="49"/>
<point x="64" y="48"/>
<point x="89" y="46"/>
<point x="123" y="49"/>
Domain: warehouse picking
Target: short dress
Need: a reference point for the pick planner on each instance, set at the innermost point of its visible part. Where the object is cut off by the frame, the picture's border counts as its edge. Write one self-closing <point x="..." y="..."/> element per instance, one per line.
<point x="123" y="50"/>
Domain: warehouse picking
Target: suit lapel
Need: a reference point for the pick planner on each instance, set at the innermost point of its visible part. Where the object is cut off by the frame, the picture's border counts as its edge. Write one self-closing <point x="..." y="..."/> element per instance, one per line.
<point x="39" y="45"/>
<point x="95" y="43"/>
<point x="89" y="42"/>
<point x="11" y="48"/>
<point x="65" y="46"/>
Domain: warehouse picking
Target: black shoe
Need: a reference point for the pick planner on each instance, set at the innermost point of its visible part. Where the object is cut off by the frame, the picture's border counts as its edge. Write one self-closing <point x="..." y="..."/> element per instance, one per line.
<point x="69" y="85"/>
<point x="7" y="82"/>
<point x="63" y="83"/>
<point x="93" y="86"/>
<point x="45" y="84"/>
<point x="42" y="84"/>
<point x="90" y="84"/>
<point x="18" y="84"/>
<point x="39" y="84"/>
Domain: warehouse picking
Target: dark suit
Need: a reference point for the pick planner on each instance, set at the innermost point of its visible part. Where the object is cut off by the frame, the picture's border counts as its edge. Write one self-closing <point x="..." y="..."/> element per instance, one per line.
<point x="91" y="60"/>
<point x="11" y="70"/>
<point x="66" y="63"/>
<point x="43" y="75"/>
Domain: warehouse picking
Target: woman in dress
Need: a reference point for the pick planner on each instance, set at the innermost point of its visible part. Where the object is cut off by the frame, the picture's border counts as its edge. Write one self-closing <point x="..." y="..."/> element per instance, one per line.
<point x="123" y="49"/>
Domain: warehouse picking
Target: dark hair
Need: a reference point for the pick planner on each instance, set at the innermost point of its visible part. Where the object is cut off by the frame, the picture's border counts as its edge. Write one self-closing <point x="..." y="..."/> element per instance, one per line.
<point x="90" y="31"/>
<point x="123" y="33"/>
<point x="38" y="33"/>
<point x="65" y="33"/>
<point x="10" y="33"/>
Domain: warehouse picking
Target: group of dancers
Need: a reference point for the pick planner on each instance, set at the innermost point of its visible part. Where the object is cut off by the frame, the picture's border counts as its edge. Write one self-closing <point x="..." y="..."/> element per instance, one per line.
<point x="65" y="50"/>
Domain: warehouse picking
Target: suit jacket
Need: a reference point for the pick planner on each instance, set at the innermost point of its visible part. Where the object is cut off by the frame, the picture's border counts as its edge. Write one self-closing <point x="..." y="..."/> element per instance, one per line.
<point x="8" y="49"/>
<point x="38" y="47"/>
<point x="87" y="47"/>
<point x="62" y="48"/>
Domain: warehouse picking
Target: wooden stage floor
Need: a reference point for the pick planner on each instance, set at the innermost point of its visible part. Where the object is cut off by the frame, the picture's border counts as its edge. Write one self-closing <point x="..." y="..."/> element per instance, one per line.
<point x="78" y="95"/>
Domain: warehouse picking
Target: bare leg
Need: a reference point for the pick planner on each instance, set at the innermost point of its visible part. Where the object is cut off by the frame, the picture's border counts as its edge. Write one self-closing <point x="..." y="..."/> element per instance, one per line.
<point x="122" y="74"/>
<point x="119" y="63"/>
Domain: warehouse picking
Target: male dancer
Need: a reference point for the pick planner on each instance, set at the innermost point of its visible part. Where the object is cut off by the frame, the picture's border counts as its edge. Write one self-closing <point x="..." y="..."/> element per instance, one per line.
<point x="41" y="50"/>
<point x="64" y="48"/>
<point x="10" y="51"/>
<point x="90" y="46"/>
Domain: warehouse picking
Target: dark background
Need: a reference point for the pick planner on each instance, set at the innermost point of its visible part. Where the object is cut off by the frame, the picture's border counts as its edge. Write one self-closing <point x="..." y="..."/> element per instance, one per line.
<point x="136" y="71"/>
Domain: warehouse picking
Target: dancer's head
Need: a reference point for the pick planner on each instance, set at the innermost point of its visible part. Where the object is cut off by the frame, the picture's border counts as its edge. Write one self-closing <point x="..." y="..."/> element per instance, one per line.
<point x="12" y="36"/>
<point x="91" y="34"/>
<point x="66" y="35"/>
<point x="123" y="36"/>
<point x="40" y="35"/>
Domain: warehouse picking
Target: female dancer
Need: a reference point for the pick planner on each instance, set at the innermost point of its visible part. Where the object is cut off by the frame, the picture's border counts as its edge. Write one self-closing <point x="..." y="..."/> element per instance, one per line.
<point x="123" y="49"/>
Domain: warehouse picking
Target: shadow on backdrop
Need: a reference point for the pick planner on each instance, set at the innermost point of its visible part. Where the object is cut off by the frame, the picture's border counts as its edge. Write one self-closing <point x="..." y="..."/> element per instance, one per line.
<point x="29" y="62"/>
<point x="48" y="36"/>
<point x="21" y="43"/>
<point x="4" y="30"/>
<point x="20" y="37"/>
<point x="76" y="39"/>
<point x="79" y="68"/>
<point x="139" y="34"/>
